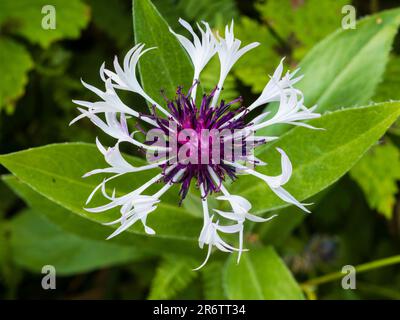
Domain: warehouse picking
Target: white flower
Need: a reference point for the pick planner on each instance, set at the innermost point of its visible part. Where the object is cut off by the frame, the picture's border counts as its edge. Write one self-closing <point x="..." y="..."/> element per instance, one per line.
<point x="111" y="115"/>
<point x="229" y="52"/>
<point x="199" y="51"/>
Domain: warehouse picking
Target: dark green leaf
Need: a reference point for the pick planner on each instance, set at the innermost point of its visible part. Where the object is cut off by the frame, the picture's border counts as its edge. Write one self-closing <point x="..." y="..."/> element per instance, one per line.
<point x="260" y="275"/>
<point x="166" y="67"/>
<point x="36" y="242"/>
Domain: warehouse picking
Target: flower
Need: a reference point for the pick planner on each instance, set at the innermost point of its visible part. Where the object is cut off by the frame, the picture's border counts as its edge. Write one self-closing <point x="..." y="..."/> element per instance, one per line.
<point x="206" y="141"/>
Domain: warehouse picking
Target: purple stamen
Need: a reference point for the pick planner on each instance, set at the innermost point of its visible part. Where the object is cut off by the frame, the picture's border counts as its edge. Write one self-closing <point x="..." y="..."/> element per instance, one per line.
<point x="189" y="116"/>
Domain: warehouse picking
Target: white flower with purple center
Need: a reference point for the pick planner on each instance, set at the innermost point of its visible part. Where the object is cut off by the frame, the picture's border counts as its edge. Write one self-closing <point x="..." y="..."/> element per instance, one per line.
<point x="203" y="142"/>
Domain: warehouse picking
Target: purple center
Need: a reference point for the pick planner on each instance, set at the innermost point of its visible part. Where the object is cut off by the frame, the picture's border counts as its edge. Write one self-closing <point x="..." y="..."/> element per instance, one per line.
<point x="216" y="120"/>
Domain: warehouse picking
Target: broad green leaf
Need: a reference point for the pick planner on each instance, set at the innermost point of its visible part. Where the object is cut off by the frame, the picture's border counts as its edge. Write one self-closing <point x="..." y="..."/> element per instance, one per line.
<point x="15" y="62"/>
<point x="24" y="17"/>
<point x="260" y="275"/>
<point x="319" y="157"/>
<point x="55" y="172"/>
<point x="173" y="275"/>
<point x="344" y="69"/>
<point x="166" y="67"/>
<point x="64" y="218"/>
<point x="36" y="242"/>
<point x="377" y="174"/>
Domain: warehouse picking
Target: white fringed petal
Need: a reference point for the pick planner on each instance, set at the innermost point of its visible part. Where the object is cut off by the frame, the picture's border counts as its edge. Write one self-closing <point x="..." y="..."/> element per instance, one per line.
<point x="111" y="102"/>
<point x="117" y="162"/>
<point x="209" y="233"/>
<point x="277" y="86"/>
<point x="201" y="50"/>
<point x="133" y="206"/>
<point x="229" y="52"/>
<point x="125" y="78"/>
<point x="275" y="182"/>
<point x="290" y="111"/>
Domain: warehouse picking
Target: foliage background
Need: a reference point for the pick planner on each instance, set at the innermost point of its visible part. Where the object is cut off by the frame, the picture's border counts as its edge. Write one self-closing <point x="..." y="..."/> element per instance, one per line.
<point x="357" y="220"/>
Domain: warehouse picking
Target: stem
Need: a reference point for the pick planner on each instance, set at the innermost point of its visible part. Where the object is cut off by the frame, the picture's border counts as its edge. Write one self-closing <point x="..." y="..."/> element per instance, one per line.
<point x="360" y="268"/>
<point x="376" y="290"/>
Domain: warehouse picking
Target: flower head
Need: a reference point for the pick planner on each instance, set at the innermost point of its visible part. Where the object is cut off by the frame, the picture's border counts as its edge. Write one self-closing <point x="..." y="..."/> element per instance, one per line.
<point x="203" y="142"/>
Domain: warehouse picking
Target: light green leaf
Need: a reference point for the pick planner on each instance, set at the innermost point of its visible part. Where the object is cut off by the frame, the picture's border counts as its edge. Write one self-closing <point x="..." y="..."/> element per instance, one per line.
<point x="389" y="88"/>
<point x="15" y="62"/>
<point x="24" y="17"/>
<point x="55" y="172"/>
<point x="260" y="275"/>
<point x="63" y="218"/>
<point x="319" y="157"/>
<point x="173" y="275"/>
<point x="36" y="242"/>
<point x="344" y="69"/>
<point x="377" y="174"/>
<point x="166" y="67"/>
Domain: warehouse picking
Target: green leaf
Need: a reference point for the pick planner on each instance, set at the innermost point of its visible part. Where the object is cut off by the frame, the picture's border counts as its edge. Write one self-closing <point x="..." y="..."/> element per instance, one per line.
<point x="212" y="275"/>
<point x="377" y="174"/>
<point x="15" y="62"/>
<point x="310" y="21"/>
<point x="24" y="17"/>
<point x="173" y="275"/>
<point x="344" y="69"/>
<point x="260" y="275"/>
<point x="36" y="242"/>
<point x="166" y="67"/>
<point x="255" y="66"/>
<point x="319" y="157"/>
<point x="63" y="218"/>
<point x="388" y="89"/>
<point x="55" y="172"/>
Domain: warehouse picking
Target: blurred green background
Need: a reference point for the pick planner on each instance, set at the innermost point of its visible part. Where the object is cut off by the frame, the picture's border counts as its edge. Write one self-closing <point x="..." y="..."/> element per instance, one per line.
<point x="40" y="75"/>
